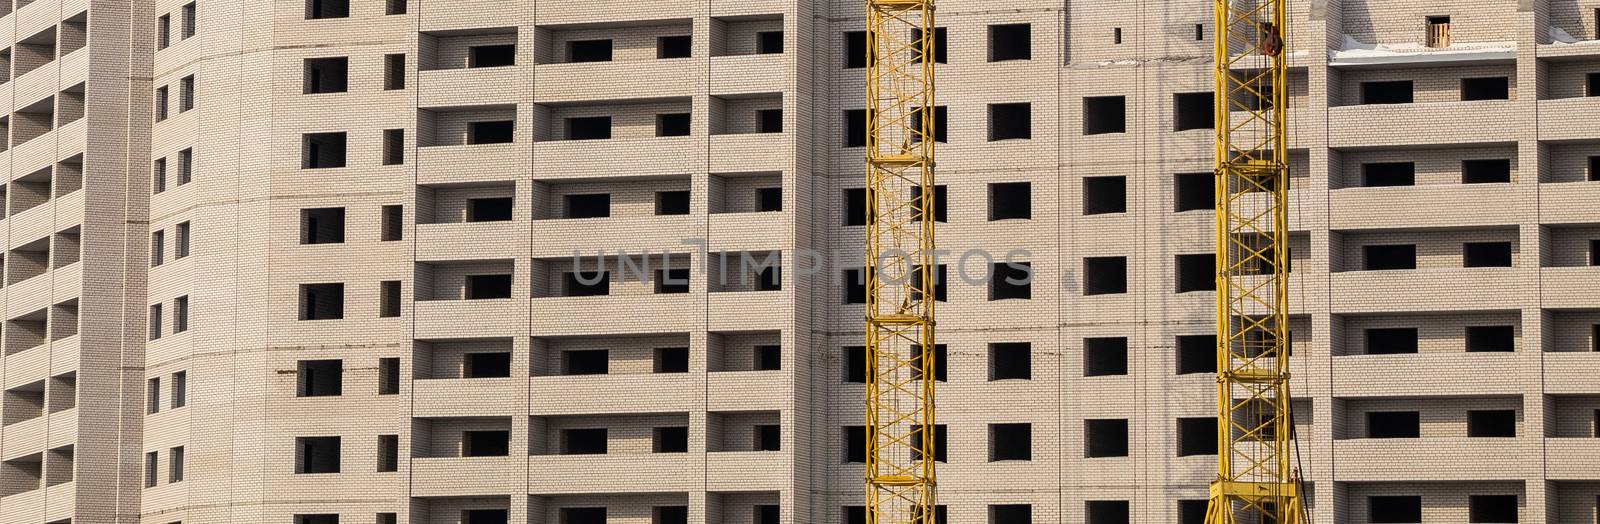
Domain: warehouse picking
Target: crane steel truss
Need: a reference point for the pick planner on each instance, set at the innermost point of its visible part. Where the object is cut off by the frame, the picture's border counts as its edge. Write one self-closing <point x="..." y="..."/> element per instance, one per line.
<point x="1256" y="481"/>
<point x="900" y="461"/>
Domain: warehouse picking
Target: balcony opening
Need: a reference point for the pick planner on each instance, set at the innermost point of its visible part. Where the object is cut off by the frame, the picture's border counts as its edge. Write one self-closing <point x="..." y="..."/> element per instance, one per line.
<point x="588" y="441"/>
<point x="1490" y="88"/>
<point x="1106" y="512"/>
<point x="589" y="51"/>
<point x="495" y="209"/>
<point x="1105" y="356"/>
<point x="1010" y="42"/>
<point x="322" y="225"/>
<point x="768" y="357"/>
<point x="672" y="281"/>
<point x="1387" y="92"/>
<point x="1197" y="436"/>
<point x="1497" y="509"/>
<point x="769" y="43"/>
<point x="1486" y="254"/>
<point x="941" y="124"/>
<point x="855" y="128"/>
<point x="1105" y="438"/>
<point x="1438" y="31"/>
<point x="941" y="438"/>
<point x="669" y="515"/>
<point x="1010" y="361"/>
<point x="855" y="49"/>
<point x="1388" y="257"/>
<point x="323" y="150"/>
<point x="1010" y="514"/>
<point x="769" y="121"/>
<point x="1011" y="280"/>
<point x="1194" y="111"/>
<point x="1394" y="509"/>
<point x="583" y="515"/>
<point x="1105" y="194"/>
<point x="1010" y="122"/>
<point x="491" y="132"/>
<point x="315" y="455"/>
<point x="322" y="301"/>
<point x="1196" y="273"/>
<point x="1010" y="442"/>
<point x="671" y="360"/>
<point x="586" y="284"/>
<point x="1489" y="171"/>
<point x="588" y="128"/>
<point x="1105" y="275"/>
<point x="1394" y="424"/>
<point x="1495" y="423"/>
<point x="499" y="55"/>
<point x="389" y="376"/>
<point x="1391" y="341"/>
<point x="327" y="75"/>
<point x="320" y="378"/>
<point x="1010" y="200"/>
<point x="492" y="443"/>
<point x="1491" y="339"/>
<point x="320" y="9"/>
<point x="673" y="439"/>
<point x="676" y="46"/>
<point x="1192" y="511"/>
<point x="486" y="365"/>
<point x="768" y="437"/>
<point x="26" y="402"/>
<point x="1388" y="174"/>
<point x="673" y="124"/>
<point x="394" y="72"/>
<point x="1105" y="115"/>
<point x="937" y="365"/>
<point x="1197" y="354"/>
<point x="672" y="202"/>
<point x="392" y="223"/>
<point x="596" y="205"/>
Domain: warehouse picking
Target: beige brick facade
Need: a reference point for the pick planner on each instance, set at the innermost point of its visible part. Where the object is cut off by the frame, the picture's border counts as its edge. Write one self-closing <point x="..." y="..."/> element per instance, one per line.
<point x="310" y="262"/>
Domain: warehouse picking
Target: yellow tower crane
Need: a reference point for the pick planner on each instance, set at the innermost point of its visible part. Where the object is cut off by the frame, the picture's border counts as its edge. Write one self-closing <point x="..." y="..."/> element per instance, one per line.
<point x="1257" y="481"/>
<point x="900" y="461"/>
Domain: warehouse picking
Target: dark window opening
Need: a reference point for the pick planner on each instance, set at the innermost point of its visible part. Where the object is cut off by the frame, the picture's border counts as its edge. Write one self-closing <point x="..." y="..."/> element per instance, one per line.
<point x="389" y="376"/>
<point x="1194" y="111"/>
<point x="1010" y="200"/>
<point x="855" y="444"/>
<point x="395" y="7"/>
<point x="322" y="225"/>
<point x="1105" y="356"/>
<point x="1192" y="511"/>
<point x="1105" y="275"/>
<point x="1197" y="436"/>
<point x="672" y="124"/>
<point x="1011" y="280"/>
<point x="1388" y="174"/>
<point x="585" y="362"/>
<point x="590" y="441"/>
<point x="766" y="514"/>
<point x="1490" y="171"/>
<point x="392" y="223"/>
<point x="1486" y="254"/>
<point x="670" y="515"/>
<point x="1391" y="92"/>
<point x="1105" y="115"/>
<point x="1010" y="122"/>
<point x="1105" y="194"/>
<point x="1389" y="257"/>
<point x="487" y="365"/>
<point x="855" y="286"/>
<point x="1199" y="32"/>
<point x="484" y="516"/>
<point x="589" y="128"/>
<point x="327" y="75"/>
<point x="1498" y="509"/>
<point x="1594" y="252"/>
<point x="768" y="437"/>
<point x="940" y="439"/>
<point x="323" y="150"/>
<point x="588" y="206"/>
<point x="487" y="287"/>
<point x="855" y="364"/>
<point x="1010" y="442"/>
<point x="389" y="298"/>
<point x="1106" y="512"/>
<point x="672" y="439"/>
<point x="317" y="455"/>
<point x="1010" y="514"/>
<point x="1116" y="35"/>
<point x="855" y="207"/>
<point x="1197" y="273"/>
<point x="394" y="147"/>
<point x="388" y="453"/>
<point x="320" y="9"/>
<point x="672" y="202"/>
<point x="583" y="515"/>
<point x="941" y="124"/>
<point x="495" y="132"/>
<point x="855" y="49"/>
<point x="855" y="128"/>
<point x="769" y="42"/>
<point x="1105" y="438"/>
<point x="497" y="209"/>
<point x="769" y="357"/>
<point x="1391" y="341"/>
<point x="1394" y="424"/>
<point x="1394" y="509"/>
<point x="769" y="279"/>
<point x="936" y="364"/>
<point x="941" y="44"/>
<point x="769" y="199"/>
<point x="1010" y="42"/>
<point x="321" y="301"/>
<point x="671" y="360"/>
<point x="678" y="46"/>
<point x="1491" y="88"/>
<point x="394" y="72"/>
<point x="1594" y="169"/>
<point x="769" y="121"/>
<point x="485" y="443"/>
<point x="1010" y="361"/>
<point x="941" y="277"/>
<point x="320" y="378"/>
<point x="1498" y="423"/>
<point x="492" y="55"/>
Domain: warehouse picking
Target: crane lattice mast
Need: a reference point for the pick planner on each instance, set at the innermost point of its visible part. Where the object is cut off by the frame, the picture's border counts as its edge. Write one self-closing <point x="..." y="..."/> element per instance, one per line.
<point x="899" y="243"/>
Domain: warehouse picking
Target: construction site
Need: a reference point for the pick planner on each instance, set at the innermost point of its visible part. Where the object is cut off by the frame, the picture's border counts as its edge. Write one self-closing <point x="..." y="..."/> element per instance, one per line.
<point x="793" y="262"/>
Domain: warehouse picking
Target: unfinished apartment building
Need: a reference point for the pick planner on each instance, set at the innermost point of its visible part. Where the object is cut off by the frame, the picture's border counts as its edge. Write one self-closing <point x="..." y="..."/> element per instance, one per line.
<point x="311" y="261"/>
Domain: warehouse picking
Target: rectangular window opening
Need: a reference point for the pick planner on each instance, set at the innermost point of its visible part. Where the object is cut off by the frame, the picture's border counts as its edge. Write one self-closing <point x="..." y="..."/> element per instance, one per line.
<point x="1010" y="361"/>
<point x="1105" y="275"/>
<point x="1105" y="115"/>
<point x="1105" y="356"/>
